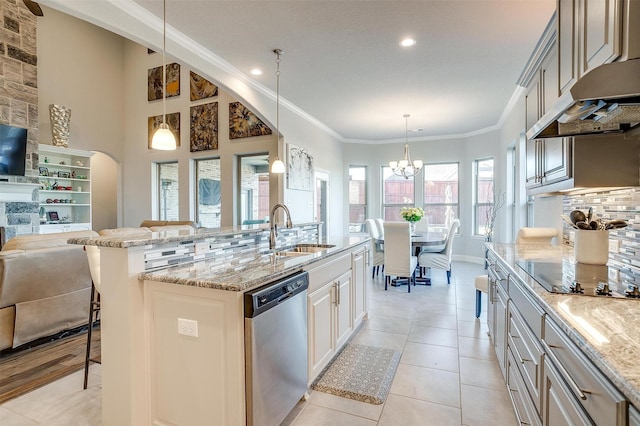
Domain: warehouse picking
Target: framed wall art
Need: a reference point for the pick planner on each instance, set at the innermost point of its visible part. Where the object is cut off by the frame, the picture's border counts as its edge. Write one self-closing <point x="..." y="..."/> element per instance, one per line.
<point x="204" y="127"/>
<point x="300" y="169"/>
<point x="173" y="120"/>
<point x="154" y="82"/>
<point x="244" y="124"/>
<point x="200" y="87"/>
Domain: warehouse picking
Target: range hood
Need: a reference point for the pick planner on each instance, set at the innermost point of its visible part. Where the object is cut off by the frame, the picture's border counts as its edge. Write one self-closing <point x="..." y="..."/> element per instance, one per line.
<point x="607" y="99"/>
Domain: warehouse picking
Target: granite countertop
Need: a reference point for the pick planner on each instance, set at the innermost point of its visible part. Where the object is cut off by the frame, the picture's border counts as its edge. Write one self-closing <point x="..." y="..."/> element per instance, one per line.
<point x="605" y="329"/>
<point x="246" y="272"/>
<point x="142" y="237"/>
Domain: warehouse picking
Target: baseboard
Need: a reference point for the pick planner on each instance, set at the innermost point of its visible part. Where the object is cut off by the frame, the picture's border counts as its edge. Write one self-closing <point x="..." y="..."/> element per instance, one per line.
<point x="470" y="259"/>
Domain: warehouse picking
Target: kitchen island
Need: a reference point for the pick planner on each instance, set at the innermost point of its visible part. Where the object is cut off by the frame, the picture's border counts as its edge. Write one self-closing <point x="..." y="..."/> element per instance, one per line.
<point x="153" y="372"/>
<point x="590" y="341"/>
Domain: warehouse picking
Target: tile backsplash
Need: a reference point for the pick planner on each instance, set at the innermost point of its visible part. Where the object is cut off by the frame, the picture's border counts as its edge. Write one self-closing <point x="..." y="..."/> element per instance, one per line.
<point x="614" y="204"/>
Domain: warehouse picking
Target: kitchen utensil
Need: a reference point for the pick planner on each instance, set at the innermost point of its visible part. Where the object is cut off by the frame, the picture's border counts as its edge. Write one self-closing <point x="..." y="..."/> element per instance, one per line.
<point x="590" y="215"/>
<point x="566" y="220"/>
<point x="577" y="216"/>
<point x="583" y="225"/>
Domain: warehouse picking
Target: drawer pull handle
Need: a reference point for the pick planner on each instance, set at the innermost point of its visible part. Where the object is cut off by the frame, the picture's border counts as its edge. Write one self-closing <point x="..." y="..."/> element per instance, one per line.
<point x="518" y="356"/>
<point x="565" y="374"/>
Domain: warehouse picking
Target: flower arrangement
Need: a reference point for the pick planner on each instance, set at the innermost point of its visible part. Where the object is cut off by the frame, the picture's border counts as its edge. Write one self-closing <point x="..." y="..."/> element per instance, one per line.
<point x="412" y="214"/>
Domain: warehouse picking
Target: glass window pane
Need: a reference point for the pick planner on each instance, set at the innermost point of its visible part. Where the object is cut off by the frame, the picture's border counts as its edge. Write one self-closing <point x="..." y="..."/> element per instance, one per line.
<point x="208" y="194"/>
<point x="441" y="194"/>
<point x="168" y="191"/>
<point x="396" y="189"/>
<point x="254" y="189"/>
<point x="483" y="196"/>
<point x="357" y="198"/>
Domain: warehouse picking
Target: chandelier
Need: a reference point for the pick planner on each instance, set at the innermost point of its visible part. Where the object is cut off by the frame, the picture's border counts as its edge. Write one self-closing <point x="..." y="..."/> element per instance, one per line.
<point x="405" y="167"/>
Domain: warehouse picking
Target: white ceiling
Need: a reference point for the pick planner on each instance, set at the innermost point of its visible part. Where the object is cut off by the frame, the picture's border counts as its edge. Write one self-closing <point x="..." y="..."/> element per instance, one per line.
<point x="342" y="62"/>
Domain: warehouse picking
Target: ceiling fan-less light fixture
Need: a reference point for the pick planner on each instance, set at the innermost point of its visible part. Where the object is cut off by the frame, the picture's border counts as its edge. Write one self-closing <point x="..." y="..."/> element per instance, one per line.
<point x="164" y="138"/>
<point x="278" y="166"/>
<point x="33" y="7"/>
<point x="405" y="167"/>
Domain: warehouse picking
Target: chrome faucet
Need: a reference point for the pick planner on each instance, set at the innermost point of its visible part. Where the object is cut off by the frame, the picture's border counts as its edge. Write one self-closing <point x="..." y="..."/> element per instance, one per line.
<point x="274" y="227"/>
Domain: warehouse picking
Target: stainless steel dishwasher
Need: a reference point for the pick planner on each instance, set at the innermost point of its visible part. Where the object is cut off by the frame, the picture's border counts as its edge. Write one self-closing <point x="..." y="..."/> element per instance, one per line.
<point x="275" y="334"/>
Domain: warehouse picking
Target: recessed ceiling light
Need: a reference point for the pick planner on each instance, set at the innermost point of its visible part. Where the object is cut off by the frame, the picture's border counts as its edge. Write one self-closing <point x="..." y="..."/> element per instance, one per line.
<point x="408" y="42"/>
<point x="256" y="71"/>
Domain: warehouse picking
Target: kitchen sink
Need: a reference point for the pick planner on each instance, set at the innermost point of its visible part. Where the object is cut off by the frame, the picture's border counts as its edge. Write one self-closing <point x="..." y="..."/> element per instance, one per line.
<point x="309" y="248"/>
<point x="290" y="253"/>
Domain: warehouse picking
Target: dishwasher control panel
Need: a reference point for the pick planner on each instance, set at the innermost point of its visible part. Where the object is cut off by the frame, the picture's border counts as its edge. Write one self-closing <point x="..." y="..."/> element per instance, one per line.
<point x="270" y="295"/>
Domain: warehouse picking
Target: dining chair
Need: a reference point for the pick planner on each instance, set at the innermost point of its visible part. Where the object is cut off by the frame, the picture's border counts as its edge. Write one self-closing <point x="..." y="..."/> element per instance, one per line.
<point x="422" y="226"/>
<point x="377" y="251"/>
<point x="442" y="259"/>
<point x="93" y="256"/>
<point x="399" y="261"/>
<point x="380" y="225"/>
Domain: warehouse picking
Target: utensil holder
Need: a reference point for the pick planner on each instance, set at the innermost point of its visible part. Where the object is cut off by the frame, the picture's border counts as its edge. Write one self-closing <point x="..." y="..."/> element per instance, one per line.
<point x="591" y="246"/>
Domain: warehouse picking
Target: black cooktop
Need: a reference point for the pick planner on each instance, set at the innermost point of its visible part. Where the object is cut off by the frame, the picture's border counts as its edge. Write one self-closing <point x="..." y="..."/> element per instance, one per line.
<point x="575" y="278"/>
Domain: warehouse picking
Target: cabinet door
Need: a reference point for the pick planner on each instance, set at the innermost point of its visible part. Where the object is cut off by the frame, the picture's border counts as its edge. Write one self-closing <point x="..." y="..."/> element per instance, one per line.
<point x="500" y="337"/>
<point x="559" y="405"/>
<point x="549" y="77"/>
<point x="321" y="329"/>
<point x="600" y="32"/>
<point x="634" y="416"/>
<point x="556" y="159"/>
<point x="532" y="102"/>
<point x="567" y="11"/>
<point x="532" y="163"/>
<point x="344" y="316"/>
<point x="358" y="271"/>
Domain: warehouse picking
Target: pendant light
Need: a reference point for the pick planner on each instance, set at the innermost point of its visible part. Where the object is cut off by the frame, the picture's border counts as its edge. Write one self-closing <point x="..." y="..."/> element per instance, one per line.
<point x="405" y="167"/>
<point x="163" y="138"/>
<point x="278" y="166"/>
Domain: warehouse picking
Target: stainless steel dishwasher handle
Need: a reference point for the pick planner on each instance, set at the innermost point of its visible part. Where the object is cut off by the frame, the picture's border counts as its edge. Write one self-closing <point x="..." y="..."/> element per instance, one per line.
<point x="565" y="374"/>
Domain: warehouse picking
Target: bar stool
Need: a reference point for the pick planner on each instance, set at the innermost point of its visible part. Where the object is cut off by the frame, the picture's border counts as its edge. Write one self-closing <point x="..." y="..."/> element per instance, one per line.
<point x="93" y="256"/>
<point x="482" y="286"/>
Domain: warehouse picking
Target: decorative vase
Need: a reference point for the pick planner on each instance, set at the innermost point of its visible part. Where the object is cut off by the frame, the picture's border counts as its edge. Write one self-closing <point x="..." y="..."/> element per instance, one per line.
<point x="412" y="228"/>
<point x="60" y="119"/>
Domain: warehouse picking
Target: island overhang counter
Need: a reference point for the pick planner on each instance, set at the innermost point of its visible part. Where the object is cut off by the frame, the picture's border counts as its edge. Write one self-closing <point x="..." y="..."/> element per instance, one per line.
<point x="146" y="362"/>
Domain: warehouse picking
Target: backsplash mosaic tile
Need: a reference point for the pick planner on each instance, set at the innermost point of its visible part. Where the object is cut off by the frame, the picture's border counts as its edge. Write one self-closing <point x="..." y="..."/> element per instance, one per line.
<point x="615" y="204"/>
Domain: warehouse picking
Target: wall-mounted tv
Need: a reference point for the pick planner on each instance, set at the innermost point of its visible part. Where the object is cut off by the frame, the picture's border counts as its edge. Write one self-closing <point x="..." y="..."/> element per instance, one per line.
<point x="13" y="150"/>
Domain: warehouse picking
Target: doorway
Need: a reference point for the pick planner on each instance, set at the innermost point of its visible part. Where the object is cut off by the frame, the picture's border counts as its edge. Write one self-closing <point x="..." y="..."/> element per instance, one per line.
<point x="320" y="200"/>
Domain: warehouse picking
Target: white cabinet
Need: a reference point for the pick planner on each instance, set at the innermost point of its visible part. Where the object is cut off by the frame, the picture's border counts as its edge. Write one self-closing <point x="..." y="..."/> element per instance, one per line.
<point x="65" y="189"/>
<point x="560" y="407"/>
<point x="330" y="310"/>
<point x="634" y="416"/>
<point x="358" y="270"/>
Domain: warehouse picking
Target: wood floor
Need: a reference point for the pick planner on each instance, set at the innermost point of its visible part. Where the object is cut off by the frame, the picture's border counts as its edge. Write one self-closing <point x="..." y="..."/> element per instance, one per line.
<point x="27" y="369"/>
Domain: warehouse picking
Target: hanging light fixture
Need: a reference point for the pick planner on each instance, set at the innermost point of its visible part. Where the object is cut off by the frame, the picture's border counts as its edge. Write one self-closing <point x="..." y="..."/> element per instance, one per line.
<point x="164" y="138"/>
<point x="278" y="166"/>
<point x="405" y="167"/>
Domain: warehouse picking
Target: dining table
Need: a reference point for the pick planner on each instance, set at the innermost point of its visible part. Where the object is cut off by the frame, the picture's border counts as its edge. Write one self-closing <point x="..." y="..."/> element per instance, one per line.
<point x="433" y="241"/>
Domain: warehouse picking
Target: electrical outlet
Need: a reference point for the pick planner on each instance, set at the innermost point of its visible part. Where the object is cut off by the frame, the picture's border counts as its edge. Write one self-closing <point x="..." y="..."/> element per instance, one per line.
<point x="614" y="274"/>
<point x="188" y="327"/>
<point x="614" y="246"/>
<point x="202" y="248"/>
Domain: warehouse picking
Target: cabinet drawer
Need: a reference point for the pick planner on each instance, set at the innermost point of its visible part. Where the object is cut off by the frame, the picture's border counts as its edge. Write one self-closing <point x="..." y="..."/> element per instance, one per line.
<point x="531" y="313"/>
<point x="634" y="416"/>
<point x="601" y="399"/>
<point x="527" y="354"/>
<point x="526" y="412"/>
<point x="329" y="270"/>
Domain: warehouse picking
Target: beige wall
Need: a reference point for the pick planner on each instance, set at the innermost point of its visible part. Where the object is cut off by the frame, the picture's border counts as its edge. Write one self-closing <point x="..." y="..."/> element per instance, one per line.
<point x="81" y="67"/>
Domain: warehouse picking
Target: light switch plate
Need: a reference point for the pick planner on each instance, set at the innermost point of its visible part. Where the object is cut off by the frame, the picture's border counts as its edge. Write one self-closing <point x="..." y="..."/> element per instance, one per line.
<point x="614" y="246"/>
<point x="202" y="248"/>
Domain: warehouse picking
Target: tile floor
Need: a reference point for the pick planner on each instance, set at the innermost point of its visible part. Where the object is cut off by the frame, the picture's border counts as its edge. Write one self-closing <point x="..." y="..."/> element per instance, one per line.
<point x="448" y="374"/>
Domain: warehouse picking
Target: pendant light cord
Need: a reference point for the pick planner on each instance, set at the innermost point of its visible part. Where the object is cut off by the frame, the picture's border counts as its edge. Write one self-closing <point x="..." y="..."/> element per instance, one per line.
<point x="164" y="65"/>
<point x="278" y="52"/>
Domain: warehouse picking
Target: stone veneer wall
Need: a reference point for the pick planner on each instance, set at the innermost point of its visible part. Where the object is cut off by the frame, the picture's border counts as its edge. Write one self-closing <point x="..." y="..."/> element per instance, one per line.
<point x="617" y="204"/>
<point x="19" y="107"/>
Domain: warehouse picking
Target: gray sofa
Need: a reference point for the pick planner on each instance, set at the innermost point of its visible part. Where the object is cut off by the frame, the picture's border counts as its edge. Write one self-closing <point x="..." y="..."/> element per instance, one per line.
<point x="45" y="287"/>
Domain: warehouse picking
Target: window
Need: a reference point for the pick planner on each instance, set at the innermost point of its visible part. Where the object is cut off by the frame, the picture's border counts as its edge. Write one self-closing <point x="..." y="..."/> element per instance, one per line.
<point x="357" y="198"/>
<point x="397" y="192"/>
<point x="169" y="201"/>
<point x="208" y="193"/>
<point x="254" y="189"/>
<point x="483" y="195"/>
<point x="441" y="203"/>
